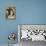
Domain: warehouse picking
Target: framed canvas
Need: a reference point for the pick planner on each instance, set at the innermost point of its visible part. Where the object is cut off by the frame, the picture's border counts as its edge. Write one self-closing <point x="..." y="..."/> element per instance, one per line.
<point x="11" y="12"/>
<point x="32" y="32"/>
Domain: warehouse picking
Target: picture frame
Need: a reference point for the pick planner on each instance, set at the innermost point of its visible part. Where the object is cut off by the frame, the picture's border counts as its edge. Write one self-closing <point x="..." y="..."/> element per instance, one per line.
<point x="33" y="32"/>
<point x="11" y="12"/>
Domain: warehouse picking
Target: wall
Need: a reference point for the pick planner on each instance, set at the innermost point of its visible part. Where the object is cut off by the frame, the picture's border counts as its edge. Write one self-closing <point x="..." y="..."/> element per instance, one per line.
<point x="27" y="12"/>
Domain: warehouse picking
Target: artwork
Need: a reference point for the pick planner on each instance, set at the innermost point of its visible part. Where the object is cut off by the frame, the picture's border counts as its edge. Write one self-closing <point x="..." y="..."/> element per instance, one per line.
<point x="33" y="32"/>
<point x="12" y="37"/>
<point x="11" y="12"/>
